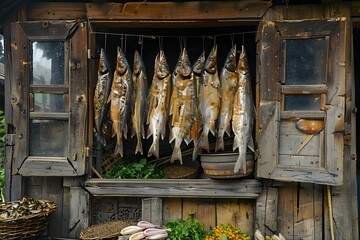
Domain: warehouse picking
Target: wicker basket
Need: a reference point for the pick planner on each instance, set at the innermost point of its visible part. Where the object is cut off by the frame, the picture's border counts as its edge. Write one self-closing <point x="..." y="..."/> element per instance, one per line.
<point x="24" y="227"/>
<point x="108" y="230"/>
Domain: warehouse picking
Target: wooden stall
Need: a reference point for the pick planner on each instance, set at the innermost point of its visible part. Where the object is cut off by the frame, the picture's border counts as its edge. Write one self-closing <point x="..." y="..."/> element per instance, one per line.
<point x="303" y="180"/>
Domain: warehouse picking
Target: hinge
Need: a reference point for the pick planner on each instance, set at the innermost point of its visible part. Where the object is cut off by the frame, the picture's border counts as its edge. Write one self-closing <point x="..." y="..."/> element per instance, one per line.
<point x="87" y="151"/>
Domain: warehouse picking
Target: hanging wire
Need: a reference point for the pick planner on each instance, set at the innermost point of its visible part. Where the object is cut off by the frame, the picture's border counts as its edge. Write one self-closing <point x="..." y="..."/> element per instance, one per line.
<point x="175" y="36"/>
<point x="125" y="44"/>
<point x="232" y="36"/>
<point x="161" y="42"/>
<point x="141" y="43"/>
<point x="105" y="39"/>
<point x="122" y="41"/>
<point x="180" y="43"/>
<point x="203" y="43"/>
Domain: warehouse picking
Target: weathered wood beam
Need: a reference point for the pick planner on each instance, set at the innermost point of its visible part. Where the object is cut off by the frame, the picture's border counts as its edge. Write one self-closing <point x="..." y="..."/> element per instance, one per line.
<point x="57" y="11"/>
<point x="184" y="188"/>
<point x="181" y="13"/>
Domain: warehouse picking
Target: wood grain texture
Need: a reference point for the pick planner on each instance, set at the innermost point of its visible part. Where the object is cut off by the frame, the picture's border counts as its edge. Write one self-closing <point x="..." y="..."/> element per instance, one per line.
<point x="267" y="211"/>
<point x="152" y="210"/>
<point x="172" y="209"/>
<point x="204" y="211"/>
<point x="79" y="205"/>
<point x="57" y="11"/>
<point x="185" y="188"/>
<point x="239" y="212"/>
<point x="166" y="11"/>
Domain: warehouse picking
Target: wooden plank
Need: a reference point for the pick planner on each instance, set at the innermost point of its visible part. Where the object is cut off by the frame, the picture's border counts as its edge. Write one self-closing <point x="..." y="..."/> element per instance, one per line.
<point x="286" y="208"/>
<point x="268" y="138"/>
<point x="19" y="75"/>
<point x="291" y="139"/>
<point x="50" y="115"/>
<point x="308" y="209"/>
<point x="152" y="210"/>
<point x="172" y="209"/>
<point x="344" y="198"/>
<point x="185" y="188"/>
<point x="204" y="211"/>
<point x="306" y="28"/>
<point x="170" y="11"/>
<point x="44" y="167"/>
<point x="304" y="174"/>
<point x="303" y="11"/>
<point x="56" y="11"/>
<point x="269" y="50"/>
<point x="302" y="114"/>
<point x="303" y="89"/>
<point x="299" y="161"/>
<point x="78" y="99"/>
<point x="239" y="212"/>
<point x="318" y="211"/>
<point x="79" y="205"/>
<point x="267" y="211"/>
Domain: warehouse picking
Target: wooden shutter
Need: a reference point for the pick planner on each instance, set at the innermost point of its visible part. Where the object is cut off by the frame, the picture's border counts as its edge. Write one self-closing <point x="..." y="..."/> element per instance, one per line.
<point x="70" y="120"/>
<point x="286" y="152"/>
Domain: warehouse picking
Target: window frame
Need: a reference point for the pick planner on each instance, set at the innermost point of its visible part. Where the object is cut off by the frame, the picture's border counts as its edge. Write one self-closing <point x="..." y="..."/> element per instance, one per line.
<point x="272" y="90"/>
<point x="74" y="36"/>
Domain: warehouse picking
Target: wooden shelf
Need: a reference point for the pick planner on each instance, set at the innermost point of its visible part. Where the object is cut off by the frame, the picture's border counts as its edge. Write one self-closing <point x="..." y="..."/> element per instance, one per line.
<point x="180" y="188"/>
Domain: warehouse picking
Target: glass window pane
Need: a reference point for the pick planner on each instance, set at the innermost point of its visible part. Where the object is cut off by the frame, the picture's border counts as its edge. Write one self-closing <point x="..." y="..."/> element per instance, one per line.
<point x="305" y="61"/>
<point x="302" y="102"/>
<point x="49" y="138"/>
<point x="48" y="63"/>
<point x="50" y="102"/>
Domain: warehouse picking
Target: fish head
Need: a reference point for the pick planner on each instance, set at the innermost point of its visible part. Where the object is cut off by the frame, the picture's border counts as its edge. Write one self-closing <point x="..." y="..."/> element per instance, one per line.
<point x="211" y="61"/>
<point x="198" y="65"/>
<point x="121" y="63"/>
<point x="185" y="68"/>
<point x="103" y="63"/>
<point x="177" y="66"/>
<point x="162" y="69"/>
<point x="137" y="63"/>
<point x="243" y="65"/>
<point x="230" y="62"/>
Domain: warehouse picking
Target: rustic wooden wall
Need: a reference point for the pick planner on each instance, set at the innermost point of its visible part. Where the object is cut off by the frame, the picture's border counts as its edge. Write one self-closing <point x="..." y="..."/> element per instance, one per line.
<point x="303" y="209"/>
<point x="211" y="212"/>
<point x="300" y="210"/>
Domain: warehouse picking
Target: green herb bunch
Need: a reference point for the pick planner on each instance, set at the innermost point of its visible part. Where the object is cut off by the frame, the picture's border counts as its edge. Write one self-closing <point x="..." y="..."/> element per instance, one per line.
<point x="189" y="229"/>
<point x="134" y="170"/>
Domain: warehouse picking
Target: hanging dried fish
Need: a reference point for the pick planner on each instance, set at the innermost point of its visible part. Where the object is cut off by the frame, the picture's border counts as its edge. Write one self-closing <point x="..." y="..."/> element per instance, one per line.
<point x="101" y="95"/>
<point x="209" y="98"/>
<point x="138" y="101"/>
<point x="229" y="79"/>
<point x="243" y="114"/>
<point x="197" y="67"/>
<point x="183" y="104"/>
<point x="120" y="98"/>
<point x="158" y="103"/>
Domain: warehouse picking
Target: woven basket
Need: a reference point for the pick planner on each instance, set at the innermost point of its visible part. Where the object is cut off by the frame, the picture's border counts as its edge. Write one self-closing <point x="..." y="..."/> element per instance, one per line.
<point x="24" y="227"/>
<point x="108" y="230"/>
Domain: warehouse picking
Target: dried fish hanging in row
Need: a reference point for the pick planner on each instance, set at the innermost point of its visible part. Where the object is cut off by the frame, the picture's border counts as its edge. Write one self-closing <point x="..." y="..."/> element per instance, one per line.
<point x="195" y="96"/>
